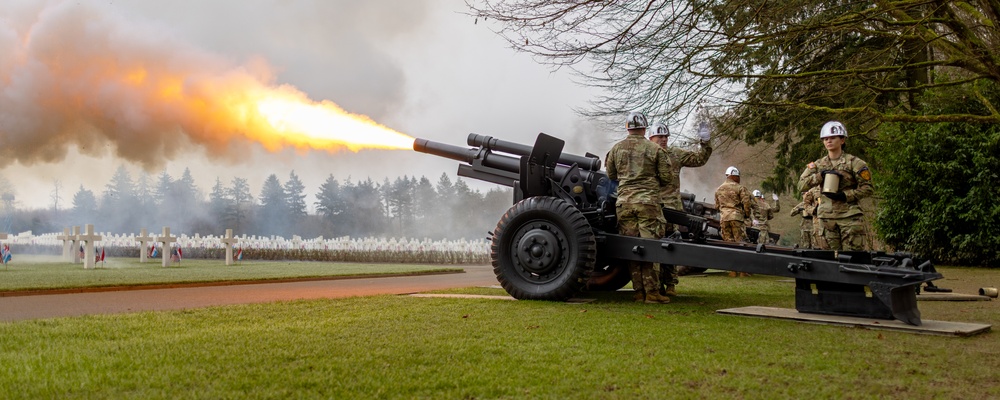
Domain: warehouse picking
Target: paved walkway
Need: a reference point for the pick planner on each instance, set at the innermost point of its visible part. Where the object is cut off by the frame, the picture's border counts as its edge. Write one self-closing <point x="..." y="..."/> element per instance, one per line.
<point x="18" y="308"/>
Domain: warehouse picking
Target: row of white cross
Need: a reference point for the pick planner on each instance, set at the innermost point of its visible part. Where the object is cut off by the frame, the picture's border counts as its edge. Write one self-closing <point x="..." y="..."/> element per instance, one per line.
<point x="88" y="238"/>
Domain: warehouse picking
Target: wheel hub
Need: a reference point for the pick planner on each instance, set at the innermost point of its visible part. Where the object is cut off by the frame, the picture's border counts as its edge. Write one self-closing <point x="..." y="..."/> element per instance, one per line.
<point x="538" y="251"/>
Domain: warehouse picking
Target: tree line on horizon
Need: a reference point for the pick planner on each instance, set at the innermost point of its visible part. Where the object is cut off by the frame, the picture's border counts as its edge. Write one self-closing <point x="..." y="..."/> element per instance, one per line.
<point x="406" y="207"/>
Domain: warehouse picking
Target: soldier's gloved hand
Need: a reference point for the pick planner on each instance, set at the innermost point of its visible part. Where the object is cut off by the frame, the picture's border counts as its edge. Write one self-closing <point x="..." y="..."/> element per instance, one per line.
<point x="704" y="133"/>
<point x="774" y="196"/>
<point x="839" y="196"/>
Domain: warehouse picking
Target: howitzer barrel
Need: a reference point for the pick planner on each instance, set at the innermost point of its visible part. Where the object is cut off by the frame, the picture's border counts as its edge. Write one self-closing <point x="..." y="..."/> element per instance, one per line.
<point x="492" y="143"/>
<point x="468" y="155"/>
<point x="444" y="150"/>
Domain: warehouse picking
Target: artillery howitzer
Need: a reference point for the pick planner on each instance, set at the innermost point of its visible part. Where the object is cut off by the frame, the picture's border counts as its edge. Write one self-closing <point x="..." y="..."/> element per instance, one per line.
<point x="560" y="238"/>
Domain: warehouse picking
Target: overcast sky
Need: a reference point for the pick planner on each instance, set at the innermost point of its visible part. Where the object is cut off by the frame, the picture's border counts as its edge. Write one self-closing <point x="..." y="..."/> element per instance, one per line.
<point x="421" y="67"/>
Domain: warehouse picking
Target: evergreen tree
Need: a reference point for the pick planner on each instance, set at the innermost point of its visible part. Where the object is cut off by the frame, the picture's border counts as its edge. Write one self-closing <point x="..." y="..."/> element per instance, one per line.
<point x="241" y="203"/>
<point x="939" y="187"/>
<point x="295" y="198"/>
<point x="273" y="216"/>
<point x="401" y="203"/>
<point x="119" y="208"/>
<point x="84" y="206"/>
<point x="367" y="216"/>
<point x="331" y="204"/>
<point x="163" y="189"/>
<point x="146" y="206"/>
<point x="218" y="203"/>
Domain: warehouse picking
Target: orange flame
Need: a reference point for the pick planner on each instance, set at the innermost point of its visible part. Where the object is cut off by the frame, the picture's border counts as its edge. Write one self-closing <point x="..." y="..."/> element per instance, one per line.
<point x="275" y="117"/>
<point x="322" y="125"/>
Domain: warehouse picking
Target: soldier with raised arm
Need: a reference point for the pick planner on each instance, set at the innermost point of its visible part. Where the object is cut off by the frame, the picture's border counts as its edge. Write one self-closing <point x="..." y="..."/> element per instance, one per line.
<point x="670" y="192"/>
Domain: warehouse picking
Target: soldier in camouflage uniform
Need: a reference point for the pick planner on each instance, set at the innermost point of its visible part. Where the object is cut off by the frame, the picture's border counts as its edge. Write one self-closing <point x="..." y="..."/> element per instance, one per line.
<point x="807" y="211"/>
<point x="735" y="204"/>
<point x="841" y="222"/>
<point x="670" y="192"/>
<point x="764" y="212"/>
<point x="640" y="167"/>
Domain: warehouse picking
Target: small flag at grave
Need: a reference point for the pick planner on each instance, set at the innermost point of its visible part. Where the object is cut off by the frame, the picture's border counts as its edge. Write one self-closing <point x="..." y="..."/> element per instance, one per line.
<point x="180" y="253"/>
<point x="153" y="252"/>
<point x="239" y="254"/>
<point x="5" y="254"/>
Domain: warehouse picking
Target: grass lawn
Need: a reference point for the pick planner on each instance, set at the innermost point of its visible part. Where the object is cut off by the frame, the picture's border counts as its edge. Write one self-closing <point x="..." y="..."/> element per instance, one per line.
<point x="47" y="272"/>
<point x="407" y="347"/>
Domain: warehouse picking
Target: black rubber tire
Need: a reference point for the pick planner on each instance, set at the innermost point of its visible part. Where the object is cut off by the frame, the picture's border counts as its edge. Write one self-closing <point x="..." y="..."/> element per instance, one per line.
<point x="609" y="277"/>
<point x="543" y="249"/>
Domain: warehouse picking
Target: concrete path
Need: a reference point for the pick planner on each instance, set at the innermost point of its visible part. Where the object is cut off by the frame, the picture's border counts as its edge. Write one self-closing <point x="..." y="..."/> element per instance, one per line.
<point x="18" y="308"/>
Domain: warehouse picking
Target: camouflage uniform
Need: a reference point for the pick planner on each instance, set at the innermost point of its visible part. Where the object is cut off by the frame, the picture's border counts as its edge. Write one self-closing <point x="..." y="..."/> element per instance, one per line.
<point x="807" y="211"/>
<point x="735" y="203"/>
<point x="841" y="223"/>
<point x="639" y="166"/>
<point x="670" y="192"/>
<point x="762" y="214"/>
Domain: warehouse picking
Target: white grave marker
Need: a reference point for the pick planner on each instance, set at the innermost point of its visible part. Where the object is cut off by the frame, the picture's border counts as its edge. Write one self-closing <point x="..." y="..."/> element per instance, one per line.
<point x="88" y="249"/>
<point x="229" y="241"/>
<point x="143" y="239"/>
<point x="166" y="239"/>
<point x="67" y="247"/>
<point x="76" y="244"/>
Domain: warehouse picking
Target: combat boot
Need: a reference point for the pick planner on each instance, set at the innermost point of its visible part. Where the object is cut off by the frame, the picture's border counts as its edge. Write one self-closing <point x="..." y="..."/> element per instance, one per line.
<point x="639" y="296"/>
<point x="671" y="290"/>
<point x="656" y="298"/>
<point x="732" y="274"/>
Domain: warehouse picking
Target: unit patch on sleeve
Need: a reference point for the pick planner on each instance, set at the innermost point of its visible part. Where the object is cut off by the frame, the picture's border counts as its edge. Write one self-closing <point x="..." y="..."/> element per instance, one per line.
<point x="865" y="173"/>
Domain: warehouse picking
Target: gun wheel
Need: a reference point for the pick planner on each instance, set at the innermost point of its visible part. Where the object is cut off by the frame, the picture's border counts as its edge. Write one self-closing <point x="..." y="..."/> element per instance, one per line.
<point x="543" y="249"/>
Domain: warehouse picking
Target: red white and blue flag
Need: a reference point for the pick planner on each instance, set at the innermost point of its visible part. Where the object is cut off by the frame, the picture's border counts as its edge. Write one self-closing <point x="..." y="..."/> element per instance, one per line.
<point x="239" y="253"/>
<point x="5" y="254"/>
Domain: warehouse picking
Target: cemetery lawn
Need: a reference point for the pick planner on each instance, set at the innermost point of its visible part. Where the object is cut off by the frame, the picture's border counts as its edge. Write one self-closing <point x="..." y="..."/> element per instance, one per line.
<point x="44" y="273"/>
<point x="409" y="347"/>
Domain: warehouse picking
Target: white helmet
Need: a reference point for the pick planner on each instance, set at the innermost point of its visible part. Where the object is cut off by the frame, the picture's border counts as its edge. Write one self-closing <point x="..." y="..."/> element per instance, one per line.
<point x="659" y="129"/>
<point x="732" y="171"/>
<point x="757" y="193"/>
<point x="832" y="128"/>
<point x="636" y="120"/>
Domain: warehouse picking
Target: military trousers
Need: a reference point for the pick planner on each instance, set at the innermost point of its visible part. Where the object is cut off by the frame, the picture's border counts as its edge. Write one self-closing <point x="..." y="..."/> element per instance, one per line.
<point x="733" y="231"/>
<point x="848" y="234"/>
<point x="763" y="237"/>
<point x="645" y="221"/>
<point x="806" y="228"/>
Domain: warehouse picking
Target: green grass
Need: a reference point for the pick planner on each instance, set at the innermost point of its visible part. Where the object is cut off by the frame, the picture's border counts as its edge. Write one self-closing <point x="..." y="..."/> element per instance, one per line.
<point x="40" y="272"/>
<point x="406" y="347"/>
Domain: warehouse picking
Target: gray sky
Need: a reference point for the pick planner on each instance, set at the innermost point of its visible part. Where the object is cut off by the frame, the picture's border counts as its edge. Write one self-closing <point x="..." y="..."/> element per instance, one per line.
<point x="420" y="67"/>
